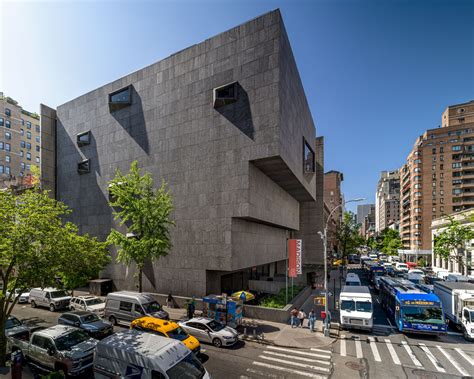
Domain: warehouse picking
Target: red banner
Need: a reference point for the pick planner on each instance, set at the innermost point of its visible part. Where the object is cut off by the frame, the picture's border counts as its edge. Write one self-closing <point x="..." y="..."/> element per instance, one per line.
<point x="294" y="258"/>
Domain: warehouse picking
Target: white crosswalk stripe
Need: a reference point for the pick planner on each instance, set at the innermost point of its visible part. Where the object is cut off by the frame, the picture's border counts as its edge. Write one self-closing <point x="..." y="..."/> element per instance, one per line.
<point x="432" y="358"/>
<point x="286" y="369"/>
<point x="392" y="352"/>
<point x="465" y="356"/>
<point x="375" y="351"/>
<point x="453" y="361"/>
<point x="278" y="362"/>
<point x="358" y="348"/>
<point x="410" y="353"/>
<point x="343" y="346"/>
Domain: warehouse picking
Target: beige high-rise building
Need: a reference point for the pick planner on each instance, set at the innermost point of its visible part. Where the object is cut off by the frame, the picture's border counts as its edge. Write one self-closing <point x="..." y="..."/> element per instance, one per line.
<point x="20" y="141"/>
<point x="438" y="177"/>
<point x="387" y="200"/>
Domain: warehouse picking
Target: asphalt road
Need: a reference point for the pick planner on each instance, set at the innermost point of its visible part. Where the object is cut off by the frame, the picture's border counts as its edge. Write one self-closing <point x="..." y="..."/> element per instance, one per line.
<point x="385" y="353"/>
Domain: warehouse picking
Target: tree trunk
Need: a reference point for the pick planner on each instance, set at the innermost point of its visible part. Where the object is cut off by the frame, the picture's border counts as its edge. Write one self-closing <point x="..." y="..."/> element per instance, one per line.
<point x="140" y="275"/>
<point x="3" y="343"/>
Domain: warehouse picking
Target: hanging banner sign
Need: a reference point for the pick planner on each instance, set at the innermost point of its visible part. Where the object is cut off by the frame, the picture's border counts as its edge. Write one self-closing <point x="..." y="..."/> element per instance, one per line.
<point x="294" y="258"/>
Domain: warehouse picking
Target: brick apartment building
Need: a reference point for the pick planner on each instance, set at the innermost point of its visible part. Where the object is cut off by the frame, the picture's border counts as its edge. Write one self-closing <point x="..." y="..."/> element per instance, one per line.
<point x="20" y="141"/>
<point x="438" y="177"/>
<point x="333" y="197"/>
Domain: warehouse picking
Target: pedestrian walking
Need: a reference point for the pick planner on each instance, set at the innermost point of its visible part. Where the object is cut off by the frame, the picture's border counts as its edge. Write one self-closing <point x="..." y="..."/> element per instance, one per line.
<point x="169" y="301"/>
<point x="294" y="317"/>
<point x="312" y="320"/>
<point x="191" y="309"/>
<point x="301" y="317"/>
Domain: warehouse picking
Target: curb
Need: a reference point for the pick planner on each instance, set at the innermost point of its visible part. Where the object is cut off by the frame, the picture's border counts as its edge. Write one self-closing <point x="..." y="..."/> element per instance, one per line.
<point x="273" y="343"/>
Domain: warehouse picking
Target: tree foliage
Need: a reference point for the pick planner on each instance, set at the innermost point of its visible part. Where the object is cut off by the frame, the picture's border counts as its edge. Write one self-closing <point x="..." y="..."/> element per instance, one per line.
<point x="145" y="212"/>
<point x="37" y="249"/>
<point x="391" y="242"/>
<point x="454" y="236"/>
<point x="348" y="236"/>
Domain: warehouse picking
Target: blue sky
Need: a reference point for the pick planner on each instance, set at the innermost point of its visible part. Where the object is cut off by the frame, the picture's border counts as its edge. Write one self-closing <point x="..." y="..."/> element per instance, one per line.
<point x="376" y="73"/>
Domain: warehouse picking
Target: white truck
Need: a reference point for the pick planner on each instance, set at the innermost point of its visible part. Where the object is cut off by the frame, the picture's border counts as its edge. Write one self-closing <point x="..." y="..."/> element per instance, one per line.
<point x="356" y="310"/>
<point x="458" y="304"/>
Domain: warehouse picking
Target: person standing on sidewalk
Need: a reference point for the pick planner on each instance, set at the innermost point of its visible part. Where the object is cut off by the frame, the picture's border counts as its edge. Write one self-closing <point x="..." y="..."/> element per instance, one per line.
<point x="312" y="320"/>
<point x="301" y="317"/>
<point x="294" y="317"/>
<point x="169" y="301"/>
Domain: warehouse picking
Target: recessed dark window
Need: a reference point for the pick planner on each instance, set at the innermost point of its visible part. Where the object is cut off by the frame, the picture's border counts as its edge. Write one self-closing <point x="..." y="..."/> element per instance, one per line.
<point x="8" y="112"/>
<point x="308" y="159"/>
<point x="84" y="167"/>
<point x="120" y="99"/>
<point x="84" y="138"/>
<point x="8" y="124"/>
<point x="225" y="95"/>
<point x="28" y="125"/>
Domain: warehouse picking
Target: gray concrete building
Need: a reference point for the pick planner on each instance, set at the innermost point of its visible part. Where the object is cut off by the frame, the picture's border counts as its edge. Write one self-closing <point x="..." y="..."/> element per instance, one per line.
<point x="362" y="211"/>
<point x="227" y="125"/>
<point x="387" y="200"/>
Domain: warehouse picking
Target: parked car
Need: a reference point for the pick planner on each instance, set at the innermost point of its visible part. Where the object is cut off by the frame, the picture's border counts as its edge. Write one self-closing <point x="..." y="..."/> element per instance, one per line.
<point x="87" y="321"/>
<point x="456" y="277"/>
<point x="22" y="296"/>
<point x="134" y="354"/>
<point x="51" y="298"/>
<point x="442" y="274"/>
<point x="210" y="331"/>
<point x="411" y="265"/>
<point x="401" y="268"/>
<point x="14" y="328"/>
<point x="126" y="306"/>
<point x="353" y="258"/>
<point x="168" y="329"/>
<point x="87" y="303"/>
<point x="58" y="348"/>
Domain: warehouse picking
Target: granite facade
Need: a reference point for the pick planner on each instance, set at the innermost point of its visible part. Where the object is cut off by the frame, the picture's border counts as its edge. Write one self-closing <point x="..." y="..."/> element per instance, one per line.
<point x="235" y="172"/>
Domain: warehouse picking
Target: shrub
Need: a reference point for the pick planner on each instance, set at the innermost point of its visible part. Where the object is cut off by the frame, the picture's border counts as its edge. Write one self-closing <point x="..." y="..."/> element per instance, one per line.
<point x="279" y="301"/>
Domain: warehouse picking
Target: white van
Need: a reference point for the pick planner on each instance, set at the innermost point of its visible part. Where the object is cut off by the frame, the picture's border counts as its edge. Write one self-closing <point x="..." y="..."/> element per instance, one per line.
<point x="51" y="298"/>
<point x="142" y="355"/>
<point x="352" y="279"/>
<point x="356" y="310"/>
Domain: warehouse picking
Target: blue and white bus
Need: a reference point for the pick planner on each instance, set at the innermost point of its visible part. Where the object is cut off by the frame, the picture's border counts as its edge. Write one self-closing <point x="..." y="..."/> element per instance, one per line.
<point x="412" y="309"/>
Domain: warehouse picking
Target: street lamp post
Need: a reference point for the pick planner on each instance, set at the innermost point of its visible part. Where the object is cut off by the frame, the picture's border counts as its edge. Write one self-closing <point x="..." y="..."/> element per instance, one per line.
<point x="324" y="236"/>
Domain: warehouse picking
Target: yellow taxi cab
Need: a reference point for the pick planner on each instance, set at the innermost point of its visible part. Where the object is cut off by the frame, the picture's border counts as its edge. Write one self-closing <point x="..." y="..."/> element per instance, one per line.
<point x="167" y="329"/>
<point x="338" y="262"/>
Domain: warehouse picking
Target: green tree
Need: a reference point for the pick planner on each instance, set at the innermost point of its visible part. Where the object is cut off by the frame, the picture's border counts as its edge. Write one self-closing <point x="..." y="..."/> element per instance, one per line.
<point x="145" y="212"/>
<point x="453" y="237"/>
<point x="37" y="248"/>
<point x="348" y="235"/>
<point x="390" y="242"/>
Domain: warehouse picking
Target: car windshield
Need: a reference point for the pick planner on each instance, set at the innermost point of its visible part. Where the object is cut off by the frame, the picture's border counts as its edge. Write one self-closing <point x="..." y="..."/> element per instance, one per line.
<point x="71" y="339"/>
<point x="178" y="334"/>
<point x="189" y="367"/>
<point x="94" y="302"/>
<point x="363" y="306"/>
<point x="216" y="326"/>
<point x="56" y="294"/>
<point x="152" y="307"/>
<point x="425" y="315"/>
<point x="378" y="273"/>
<point x="12" y="322"/>
<point x="348" y="305"/>
<point x="352" y="283"/>
<point x="472" y="315"/>
<point x="90" y="318"/>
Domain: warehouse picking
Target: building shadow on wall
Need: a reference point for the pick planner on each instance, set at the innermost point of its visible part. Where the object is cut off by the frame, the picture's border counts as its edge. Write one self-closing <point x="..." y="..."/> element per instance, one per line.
<point x="239" y="113"/>
<point x="132" y="121"/>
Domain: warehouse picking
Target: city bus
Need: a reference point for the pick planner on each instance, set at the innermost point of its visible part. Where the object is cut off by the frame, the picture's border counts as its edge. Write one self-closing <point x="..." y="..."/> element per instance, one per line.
<point x="412" y="309"/>
<point x="374" y="269"/>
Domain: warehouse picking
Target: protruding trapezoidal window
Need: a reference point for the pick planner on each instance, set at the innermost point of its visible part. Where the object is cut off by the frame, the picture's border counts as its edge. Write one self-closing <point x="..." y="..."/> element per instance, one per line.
<point x="308" y="158"/>
<point x="226" y="94"/>
<point x="120" y="99"/>
<point x="84" y="138"/>
<point x="84" y="167"/>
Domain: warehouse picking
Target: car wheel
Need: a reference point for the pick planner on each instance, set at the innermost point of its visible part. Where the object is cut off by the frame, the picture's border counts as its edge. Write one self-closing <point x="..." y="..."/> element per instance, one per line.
<point x="113" y="320"/>
<point x="464" y="333"/>
<point x="33" y="304"/>
<point x="52" y="308"/>
<point x="217" y="342"/>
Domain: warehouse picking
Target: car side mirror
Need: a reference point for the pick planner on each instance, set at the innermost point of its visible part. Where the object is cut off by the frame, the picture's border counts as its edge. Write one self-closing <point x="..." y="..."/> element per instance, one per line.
<point x="51" y="351"/>
<point x="77" y="323"/>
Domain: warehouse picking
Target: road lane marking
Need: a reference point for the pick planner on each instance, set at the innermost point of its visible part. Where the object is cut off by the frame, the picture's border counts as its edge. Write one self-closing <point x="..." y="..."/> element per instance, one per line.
<point x="290" y="370"/>
<point x="358" y="348"/>
<point x="297" y="364"/>
<point x="295" y="357"/>
<point x="343" y="346"/>
<point x="293" y="351"/>
<point x="320" y="350"/>
<point x="453" y="361"/>
<point x="392" y="352"/>
<point x="375" y="351"/>
<point x="413" y="357"/>
<point x="465" y="356"/>
<point x="432" y="358"/>
<point x="258" y="372"/>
